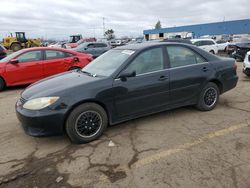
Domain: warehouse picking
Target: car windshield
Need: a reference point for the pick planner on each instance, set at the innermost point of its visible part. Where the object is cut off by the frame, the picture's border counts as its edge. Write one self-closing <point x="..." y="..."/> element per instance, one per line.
<point x="11" y="56"/>
<point x="108" y="63"/>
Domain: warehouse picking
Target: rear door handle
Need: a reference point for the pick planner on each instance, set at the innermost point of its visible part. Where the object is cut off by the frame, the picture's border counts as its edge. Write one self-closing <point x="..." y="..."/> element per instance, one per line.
<point x="205" y="69"/>
<point x="162" y="78"/>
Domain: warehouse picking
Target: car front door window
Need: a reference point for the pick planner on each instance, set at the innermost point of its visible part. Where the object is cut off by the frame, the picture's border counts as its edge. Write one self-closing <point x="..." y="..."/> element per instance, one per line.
<point x="148" y="61"/>
<point x="30" y="56"/>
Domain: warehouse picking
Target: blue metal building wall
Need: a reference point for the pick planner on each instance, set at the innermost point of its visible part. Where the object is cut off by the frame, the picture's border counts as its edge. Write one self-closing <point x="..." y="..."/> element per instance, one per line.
<point x="227" y="27"/>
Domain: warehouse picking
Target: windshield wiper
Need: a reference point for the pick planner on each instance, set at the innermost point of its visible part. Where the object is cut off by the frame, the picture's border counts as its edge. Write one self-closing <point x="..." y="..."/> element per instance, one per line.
<point x="90" y="74"/>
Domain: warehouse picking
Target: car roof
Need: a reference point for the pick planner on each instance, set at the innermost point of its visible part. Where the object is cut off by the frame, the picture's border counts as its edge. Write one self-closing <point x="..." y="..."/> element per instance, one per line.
<point x="144" y="45"/>
<point x="46" y="48"/>
<point x="195" y="40"/>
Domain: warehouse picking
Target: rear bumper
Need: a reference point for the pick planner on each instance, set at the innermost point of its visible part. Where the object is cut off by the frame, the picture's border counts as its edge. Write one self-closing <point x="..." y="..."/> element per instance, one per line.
<point x="230" y="83"/>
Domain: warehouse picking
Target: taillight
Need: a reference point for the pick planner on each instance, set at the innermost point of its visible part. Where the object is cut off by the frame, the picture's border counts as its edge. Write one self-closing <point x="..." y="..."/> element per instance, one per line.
<point x="235" y="66"/>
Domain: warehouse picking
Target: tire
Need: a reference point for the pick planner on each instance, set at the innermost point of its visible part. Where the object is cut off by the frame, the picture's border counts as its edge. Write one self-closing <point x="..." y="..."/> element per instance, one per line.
<point x="212" y="52"/>
<point x="2" y="84"/>
<point x="209" y="97"/>
<point x="15" y="47"/>
<point x="33" y="45"/>
<point x="82" y="119"/>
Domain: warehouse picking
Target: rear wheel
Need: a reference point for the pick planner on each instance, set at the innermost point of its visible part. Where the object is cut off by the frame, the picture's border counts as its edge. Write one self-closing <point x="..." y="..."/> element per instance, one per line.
<point x="33" y="45"/>
<point x="15" y="47"/>
<point x="2" y="84"/>
<point x="209" y="97"/>
<point x="86" y="123"/>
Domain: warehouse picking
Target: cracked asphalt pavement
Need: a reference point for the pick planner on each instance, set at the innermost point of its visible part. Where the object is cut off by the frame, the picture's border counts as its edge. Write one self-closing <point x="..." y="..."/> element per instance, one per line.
<point x="177" y="148"/>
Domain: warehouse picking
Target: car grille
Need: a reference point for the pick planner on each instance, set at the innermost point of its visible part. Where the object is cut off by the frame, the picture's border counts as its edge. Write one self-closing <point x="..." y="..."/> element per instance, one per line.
<point x="22" y="100"/>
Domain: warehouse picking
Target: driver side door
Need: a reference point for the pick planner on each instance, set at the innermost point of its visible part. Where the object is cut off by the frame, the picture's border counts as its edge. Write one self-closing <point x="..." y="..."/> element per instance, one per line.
<point x="148" y="90"/>
<point x="29" y="69"/>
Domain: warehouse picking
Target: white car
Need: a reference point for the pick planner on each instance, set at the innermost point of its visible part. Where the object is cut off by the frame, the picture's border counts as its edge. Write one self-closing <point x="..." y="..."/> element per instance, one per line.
<point x="208" y="45"/>
<point x="222" y="45"/>
<point x="246" y="64"/>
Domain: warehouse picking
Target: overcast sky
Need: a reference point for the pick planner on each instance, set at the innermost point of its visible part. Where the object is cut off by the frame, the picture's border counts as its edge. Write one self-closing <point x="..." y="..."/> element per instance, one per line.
<point x="61" y="18"/>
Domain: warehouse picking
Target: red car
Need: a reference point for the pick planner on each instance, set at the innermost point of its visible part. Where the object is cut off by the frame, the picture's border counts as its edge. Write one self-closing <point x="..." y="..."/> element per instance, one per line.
<point x="30" y="65"/>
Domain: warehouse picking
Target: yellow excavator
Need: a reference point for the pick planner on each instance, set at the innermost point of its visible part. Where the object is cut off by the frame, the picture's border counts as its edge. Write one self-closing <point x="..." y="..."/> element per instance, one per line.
<point x="19" y="41"/>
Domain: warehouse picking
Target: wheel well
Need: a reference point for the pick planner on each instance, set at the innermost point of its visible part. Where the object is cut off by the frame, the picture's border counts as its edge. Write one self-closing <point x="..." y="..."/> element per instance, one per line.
<point x="218" y="83"/>
<point x="15" y="43"/>
<point x="74" y="67"/>
<point x="3" y="81"/>
<point x="82" y="102"/>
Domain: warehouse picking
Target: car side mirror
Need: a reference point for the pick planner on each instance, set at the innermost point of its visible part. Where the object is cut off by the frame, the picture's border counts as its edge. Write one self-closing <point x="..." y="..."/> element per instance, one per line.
<point x="124" y="75"/>
<point x="13" y="61"/>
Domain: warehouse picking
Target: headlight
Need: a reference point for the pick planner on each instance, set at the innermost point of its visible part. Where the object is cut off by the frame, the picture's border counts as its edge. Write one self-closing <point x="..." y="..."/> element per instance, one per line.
<point x="39" y="103"/>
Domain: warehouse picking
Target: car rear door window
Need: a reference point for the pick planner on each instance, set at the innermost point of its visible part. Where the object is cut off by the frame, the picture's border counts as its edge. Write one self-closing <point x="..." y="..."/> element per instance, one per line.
<point x="148" y="61"/>
<point x="206" y="42"/>
<point x="35" y="55"/>
<point x="100" y="45"/>
<point x="198" y="43"/>
<point x="181" y="56"/>
<point x="69" y="54"/>
<point x="54" y="54"/>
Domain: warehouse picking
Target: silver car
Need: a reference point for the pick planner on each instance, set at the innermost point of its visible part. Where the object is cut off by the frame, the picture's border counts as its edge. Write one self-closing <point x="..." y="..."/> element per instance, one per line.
<point x="94" y="48"/>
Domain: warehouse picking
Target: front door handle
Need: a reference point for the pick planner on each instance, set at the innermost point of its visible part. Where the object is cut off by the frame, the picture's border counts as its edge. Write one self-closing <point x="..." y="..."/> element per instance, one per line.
<point x="162" y="78"/>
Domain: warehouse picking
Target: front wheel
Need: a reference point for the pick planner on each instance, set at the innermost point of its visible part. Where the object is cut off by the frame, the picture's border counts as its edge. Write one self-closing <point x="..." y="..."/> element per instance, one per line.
<point x="15" y="47"/>
<point x="2" y="84"/>
<point x="209" y="97"/>
<point x="86" y="123"/>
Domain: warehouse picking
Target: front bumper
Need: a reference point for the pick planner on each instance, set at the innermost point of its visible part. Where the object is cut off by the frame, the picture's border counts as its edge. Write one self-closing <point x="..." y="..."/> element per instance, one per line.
<point x="44" y="122"/>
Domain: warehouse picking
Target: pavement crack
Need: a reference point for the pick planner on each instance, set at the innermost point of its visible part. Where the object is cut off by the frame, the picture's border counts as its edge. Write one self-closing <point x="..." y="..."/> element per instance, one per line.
<point x="234" y="178"/>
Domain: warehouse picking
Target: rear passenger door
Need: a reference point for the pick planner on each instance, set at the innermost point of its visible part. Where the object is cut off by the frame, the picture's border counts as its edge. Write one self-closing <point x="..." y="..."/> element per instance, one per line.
<point x="188" y="73"/>
<point x="55" y="62"/>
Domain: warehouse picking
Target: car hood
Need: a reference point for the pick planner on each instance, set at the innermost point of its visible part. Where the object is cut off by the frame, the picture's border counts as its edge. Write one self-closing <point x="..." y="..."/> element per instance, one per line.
<point x="58" y="85"/>
<point x="243" y="45"/>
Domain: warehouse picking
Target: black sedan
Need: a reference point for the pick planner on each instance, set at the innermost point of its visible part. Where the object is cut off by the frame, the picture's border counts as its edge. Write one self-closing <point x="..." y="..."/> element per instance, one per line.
<point x="124" y="83"/>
